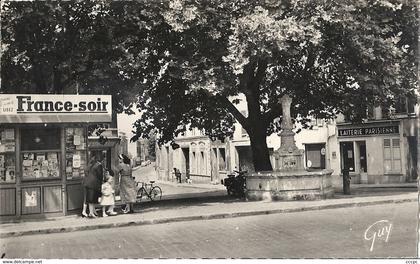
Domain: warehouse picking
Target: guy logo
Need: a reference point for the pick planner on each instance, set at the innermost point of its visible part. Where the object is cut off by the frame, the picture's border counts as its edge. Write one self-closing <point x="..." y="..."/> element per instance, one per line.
<point x="378" y="230"/>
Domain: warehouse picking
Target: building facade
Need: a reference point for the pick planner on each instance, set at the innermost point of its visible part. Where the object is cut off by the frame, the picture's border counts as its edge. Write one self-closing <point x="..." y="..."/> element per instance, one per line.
<point x="382" y="149"/>
<point x="142" y="149"/>
<point x="195" y="156"/>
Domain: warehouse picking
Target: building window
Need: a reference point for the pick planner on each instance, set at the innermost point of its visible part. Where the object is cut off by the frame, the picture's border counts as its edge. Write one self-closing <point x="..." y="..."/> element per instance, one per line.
<point x="222" y="159"/>
<point x="202" y="163"/>
<point x="317" y="122"/>
<point x="243" y="131"/>
<point x="315" y="156"/>
<point x="392" y="155"/>
<point x="194" y="163"/>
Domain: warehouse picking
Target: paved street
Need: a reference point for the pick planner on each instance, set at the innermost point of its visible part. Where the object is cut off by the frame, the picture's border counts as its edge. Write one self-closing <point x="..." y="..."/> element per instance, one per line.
<point x="146" y="173"/>
<point x="337" y="233"/>
<point x="170" y="190"/>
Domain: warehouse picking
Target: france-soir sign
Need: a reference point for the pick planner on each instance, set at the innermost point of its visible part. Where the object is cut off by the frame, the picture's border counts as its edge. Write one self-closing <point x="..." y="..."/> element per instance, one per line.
<point x="55" y="108"/>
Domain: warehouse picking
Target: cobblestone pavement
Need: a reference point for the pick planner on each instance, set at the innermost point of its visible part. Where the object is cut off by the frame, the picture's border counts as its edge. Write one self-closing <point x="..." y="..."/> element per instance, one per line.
<point x="333" y="233"/>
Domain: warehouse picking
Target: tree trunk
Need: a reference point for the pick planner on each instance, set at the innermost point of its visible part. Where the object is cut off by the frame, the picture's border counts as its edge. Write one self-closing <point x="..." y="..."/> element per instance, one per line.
<point x="260" y="153"/>
<point x="257" y="126"/>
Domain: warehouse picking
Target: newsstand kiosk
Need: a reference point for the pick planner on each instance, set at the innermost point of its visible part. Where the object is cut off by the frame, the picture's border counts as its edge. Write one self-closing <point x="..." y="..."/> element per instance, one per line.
<point x="44" y="151"/>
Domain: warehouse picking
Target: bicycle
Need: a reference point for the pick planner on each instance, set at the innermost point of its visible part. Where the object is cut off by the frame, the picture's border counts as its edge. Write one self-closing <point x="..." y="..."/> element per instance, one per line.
<point x="152" y="192"/>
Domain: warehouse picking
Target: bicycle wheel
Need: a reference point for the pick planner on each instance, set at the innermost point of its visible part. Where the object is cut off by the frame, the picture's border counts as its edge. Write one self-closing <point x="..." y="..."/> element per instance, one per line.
<point x="139" y="195"/>
<point x="156" y="193"/>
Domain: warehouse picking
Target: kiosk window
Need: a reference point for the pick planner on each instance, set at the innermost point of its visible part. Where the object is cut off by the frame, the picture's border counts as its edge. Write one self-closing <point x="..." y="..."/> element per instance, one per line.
<point x="40" y="153"/>
<point x="7" y="156"/>
<point x="392" y="155"/>
<point x="40" y="138"/>
<point x="75" y="152"/>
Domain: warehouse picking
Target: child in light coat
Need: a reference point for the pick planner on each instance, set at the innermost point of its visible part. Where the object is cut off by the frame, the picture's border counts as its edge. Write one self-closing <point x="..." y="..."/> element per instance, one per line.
<point x="108" y="198"/>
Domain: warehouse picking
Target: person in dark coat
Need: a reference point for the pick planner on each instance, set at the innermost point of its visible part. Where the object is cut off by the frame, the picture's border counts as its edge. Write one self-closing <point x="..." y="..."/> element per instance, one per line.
<point x="93" y="182"/>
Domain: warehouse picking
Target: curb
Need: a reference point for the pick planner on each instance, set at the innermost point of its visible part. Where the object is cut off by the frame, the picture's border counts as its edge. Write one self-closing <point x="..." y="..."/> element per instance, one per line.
<point x="192" y="185"/>
<point x="201" y="217"/>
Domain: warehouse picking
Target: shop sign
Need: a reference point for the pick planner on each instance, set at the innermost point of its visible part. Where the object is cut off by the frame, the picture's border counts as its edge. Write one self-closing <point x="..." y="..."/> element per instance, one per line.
<point x="367" y="131"/>
<point x="36" y="107"/>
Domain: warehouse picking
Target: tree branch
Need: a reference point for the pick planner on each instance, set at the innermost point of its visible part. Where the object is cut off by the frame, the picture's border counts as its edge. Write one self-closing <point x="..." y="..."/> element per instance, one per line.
<point x="233" y="110"/>
<point x="260" y="74"/>
<point x="245" y="78"/>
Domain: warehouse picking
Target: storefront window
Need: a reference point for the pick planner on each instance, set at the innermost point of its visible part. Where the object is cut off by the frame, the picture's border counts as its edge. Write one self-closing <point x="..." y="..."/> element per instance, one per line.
<point x="7" y="156"/>
<point x="75" y="153"/>
<point x="40" y="153"/>
<point x="315" y="156"/>
<point x="392" y="155"/>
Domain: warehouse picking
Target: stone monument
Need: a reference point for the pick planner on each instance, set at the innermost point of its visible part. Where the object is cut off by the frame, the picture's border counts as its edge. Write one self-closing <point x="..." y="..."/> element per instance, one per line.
<point x="288" y="156"/>
<point x="289" y="180"/>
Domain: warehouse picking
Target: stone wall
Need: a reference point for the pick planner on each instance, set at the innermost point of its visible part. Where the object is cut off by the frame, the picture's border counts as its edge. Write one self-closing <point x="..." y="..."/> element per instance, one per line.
<point x="300" y="185"/>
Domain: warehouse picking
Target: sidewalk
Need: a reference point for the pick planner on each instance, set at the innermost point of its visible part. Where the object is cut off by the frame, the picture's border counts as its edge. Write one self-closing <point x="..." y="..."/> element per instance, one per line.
<point x="201" y="207"/>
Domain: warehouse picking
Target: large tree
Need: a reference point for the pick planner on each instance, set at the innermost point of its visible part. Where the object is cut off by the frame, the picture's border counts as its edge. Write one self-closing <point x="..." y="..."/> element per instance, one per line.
<point x="183" y="62"/>
<point x="329" y="56"/>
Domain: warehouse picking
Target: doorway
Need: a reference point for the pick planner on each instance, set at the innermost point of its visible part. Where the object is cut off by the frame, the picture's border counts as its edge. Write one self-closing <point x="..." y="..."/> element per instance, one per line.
<point x="106" y="155"/>
<point x="362" y="156"/>
<point x="186" y="161"/>
<point x="361" y="146"/>
<point x="347" y="155"/>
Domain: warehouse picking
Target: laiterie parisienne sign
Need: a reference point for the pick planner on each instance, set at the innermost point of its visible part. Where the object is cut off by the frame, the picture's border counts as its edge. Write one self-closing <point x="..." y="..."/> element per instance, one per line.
<point x="41" y="108"/>
<point x="367" y="131"/>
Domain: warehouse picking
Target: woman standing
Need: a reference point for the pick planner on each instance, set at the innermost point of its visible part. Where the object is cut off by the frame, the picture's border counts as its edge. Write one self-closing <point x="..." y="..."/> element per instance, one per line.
<point x="93" y="182"/>
<point x="127" y="184"/>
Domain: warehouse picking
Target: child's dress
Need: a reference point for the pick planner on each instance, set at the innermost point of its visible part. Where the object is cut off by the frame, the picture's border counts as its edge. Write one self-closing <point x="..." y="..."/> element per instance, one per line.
<point x="107" y="194"/>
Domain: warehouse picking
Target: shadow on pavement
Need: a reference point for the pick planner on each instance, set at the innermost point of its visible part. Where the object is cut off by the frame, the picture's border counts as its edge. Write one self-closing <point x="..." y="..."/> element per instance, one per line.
<point x="208" y="198"/>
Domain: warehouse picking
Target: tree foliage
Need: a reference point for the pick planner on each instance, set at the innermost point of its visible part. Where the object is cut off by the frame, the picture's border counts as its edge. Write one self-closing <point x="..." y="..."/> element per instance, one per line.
<point x="151" y="146"/>
<point x="61" y="47"/>
<point x="329" y="56"/>
<point x="182" y="62"/>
